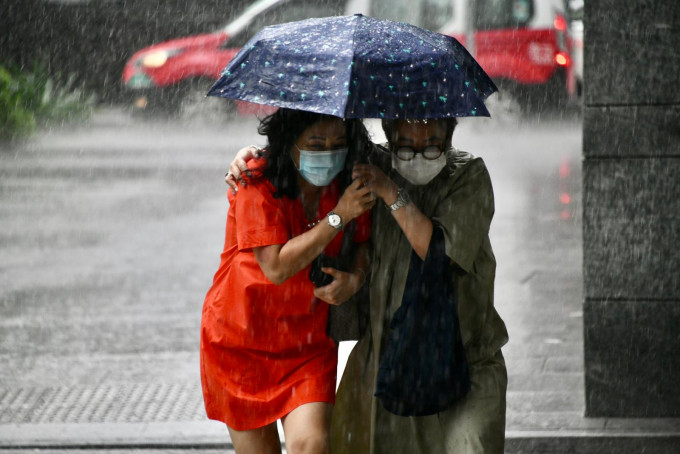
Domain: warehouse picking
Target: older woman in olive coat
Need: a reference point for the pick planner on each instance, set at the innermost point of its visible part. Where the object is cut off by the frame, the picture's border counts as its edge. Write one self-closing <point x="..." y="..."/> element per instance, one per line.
<point x="458" y="200"/>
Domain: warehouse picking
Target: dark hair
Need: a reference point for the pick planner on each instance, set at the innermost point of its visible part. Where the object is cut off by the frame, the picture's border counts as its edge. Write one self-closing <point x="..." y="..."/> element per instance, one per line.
<point x="450" y="124"/>
<point x="283" y="128"/>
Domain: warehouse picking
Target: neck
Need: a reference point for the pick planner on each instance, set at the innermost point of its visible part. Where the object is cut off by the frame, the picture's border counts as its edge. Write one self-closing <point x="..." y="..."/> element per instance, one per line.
<point x="309" y="197"/>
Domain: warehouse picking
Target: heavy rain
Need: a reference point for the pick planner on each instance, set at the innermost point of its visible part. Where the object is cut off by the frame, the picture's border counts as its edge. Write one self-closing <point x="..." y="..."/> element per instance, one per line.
<point x="113" y="206"/>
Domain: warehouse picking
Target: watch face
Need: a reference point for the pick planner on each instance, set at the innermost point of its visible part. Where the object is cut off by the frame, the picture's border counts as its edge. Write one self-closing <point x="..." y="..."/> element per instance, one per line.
<point x="334" y="220"/>
<point x="405" y="197"/>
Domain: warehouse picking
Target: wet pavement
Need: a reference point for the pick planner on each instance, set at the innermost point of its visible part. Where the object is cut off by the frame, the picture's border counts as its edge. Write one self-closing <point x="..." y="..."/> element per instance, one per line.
<point x="110" y="235"/>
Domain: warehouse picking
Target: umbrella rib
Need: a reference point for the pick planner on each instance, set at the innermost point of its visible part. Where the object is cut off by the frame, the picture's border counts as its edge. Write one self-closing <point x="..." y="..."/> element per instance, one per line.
<point x="351" y="71"/>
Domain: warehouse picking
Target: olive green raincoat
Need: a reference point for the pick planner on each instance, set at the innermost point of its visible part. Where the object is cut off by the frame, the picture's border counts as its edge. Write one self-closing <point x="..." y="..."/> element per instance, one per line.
<point x="459" y="201"/>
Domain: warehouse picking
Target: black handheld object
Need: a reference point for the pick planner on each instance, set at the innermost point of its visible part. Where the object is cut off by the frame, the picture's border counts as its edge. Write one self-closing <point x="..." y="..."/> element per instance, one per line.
<point x="318" y="277"/>
<point x="342" y="262"/>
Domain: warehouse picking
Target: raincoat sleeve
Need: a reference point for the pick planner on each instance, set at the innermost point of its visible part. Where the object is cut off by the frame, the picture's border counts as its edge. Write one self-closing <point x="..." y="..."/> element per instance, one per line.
<point x="260" y="220"/>
<point x="465" y="213"/>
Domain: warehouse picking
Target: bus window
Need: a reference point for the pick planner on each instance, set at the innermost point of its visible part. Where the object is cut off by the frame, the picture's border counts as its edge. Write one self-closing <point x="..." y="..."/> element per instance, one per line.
<point x="436" y="13"/>
<point x="397" y="10"/>
<point x="499" y="14"/>
<point x="429" y="14"/>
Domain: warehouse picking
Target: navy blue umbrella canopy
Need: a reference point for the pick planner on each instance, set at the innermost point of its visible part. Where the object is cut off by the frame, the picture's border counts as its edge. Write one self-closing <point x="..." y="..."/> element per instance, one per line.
<point x="357" y="67"/>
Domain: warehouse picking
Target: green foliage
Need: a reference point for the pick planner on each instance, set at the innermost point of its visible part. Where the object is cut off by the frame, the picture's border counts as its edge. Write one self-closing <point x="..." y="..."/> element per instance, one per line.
<point x="15" y="118"/>
<point x="31" y="98"/>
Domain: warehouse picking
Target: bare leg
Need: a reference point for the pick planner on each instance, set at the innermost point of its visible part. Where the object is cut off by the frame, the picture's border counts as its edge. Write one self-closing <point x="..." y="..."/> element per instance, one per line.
<point x="264" y="440"/>
<point x="307" y="429"/>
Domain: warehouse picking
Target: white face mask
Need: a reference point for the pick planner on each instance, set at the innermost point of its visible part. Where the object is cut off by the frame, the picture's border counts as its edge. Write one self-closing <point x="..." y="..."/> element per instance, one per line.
<point x="419" y="171"/>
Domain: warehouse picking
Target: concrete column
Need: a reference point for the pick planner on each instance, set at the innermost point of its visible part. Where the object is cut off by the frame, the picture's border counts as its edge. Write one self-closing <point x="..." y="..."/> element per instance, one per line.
<point x="631" y="208"/>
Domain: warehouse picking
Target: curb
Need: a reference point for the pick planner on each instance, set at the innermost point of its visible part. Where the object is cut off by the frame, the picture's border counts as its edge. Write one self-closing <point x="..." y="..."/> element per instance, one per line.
<point x="190" y="434"/>
<point x="596" y="442"/>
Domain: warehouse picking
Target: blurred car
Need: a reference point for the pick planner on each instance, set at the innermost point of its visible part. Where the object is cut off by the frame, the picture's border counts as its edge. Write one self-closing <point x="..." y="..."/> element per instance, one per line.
<point x="177" y="73"/>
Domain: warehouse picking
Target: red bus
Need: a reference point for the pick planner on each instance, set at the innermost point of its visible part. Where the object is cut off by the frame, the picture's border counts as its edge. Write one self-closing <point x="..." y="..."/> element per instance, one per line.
<point x="523" y="45"/>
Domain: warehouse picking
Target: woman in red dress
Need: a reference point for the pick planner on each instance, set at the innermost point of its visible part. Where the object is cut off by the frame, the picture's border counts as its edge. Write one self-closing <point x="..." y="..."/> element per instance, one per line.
<point x="265" y="353"/>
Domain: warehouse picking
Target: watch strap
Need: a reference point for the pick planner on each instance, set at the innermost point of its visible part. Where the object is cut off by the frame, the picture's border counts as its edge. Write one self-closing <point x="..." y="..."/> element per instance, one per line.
<point x="403" y="199"/>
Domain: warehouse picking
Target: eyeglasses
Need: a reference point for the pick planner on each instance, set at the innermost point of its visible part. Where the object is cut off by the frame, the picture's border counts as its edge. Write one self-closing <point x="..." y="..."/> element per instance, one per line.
<point x="407" y="153"/>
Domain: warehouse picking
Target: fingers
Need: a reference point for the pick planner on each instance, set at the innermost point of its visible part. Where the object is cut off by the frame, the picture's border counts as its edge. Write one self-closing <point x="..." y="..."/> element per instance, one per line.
<point x="356" y="184"/>
<point x="363" y="170"/>
<point x="360" y="201"/>
<point x="326" y="294"/>
<point x="358" y="174"/>
<point x="370" y="204"/>
<point x="363" y="191"/>
<point x="376" y="180"/>
<point x="255" y="151"/>
<point x="233" y="177"/>
<point x="359" y="167"/>
<point x="332" y="271"/>
<point x="365" y="197"/>
<point x="370" y="177"/>
<point x="239" y="167"/>
<point x="249" y="152"/>
<point x="330" y="294"/>
<point x="356" y="200"/>
<point x="231" y="182"/>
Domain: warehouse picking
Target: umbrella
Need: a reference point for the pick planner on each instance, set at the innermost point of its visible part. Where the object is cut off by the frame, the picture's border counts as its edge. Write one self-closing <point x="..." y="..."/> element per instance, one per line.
<point x="357" y="67"/>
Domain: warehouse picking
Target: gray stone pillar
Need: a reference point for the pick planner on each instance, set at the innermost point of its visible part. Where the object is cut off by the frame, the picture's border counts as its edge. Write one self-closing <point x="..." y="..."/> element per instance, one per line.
<point x="631" y="208"/>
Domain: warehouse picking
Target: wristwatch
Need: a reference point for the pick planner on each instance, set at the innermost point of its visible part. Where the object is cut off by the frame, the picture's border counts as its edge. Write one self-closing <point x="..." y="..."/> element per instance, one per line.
<point x="334" y="220"/>
<point x="403" y="199"/>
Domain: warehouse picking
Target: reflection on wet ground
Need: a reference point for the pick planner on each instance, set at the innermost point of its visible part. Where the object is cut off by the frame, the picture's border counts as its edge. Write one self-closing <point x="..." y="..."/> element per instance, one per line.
<point x="111" y="235"/>
<point x="536" y="235"/>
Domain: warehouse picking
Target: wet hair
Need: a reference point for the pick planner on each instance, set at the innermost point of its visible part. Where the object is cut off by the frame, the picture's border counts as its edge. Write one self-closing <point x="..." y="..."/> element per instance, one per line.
<point x="283" y="128"/>
<point x="390" y="125"/>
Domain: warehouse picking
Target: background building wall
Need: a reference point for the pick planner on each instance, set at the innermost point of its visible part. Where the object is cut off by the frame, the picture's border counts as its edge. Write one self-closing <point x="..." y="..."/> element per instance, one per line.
<point x="631" y="197"/>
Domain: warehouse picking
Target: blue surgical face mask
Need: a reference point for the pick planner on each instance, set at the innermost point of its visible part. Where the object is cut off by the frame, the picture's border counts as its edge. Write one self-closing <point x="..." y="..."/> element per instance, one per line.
<point x="320" y="167"/>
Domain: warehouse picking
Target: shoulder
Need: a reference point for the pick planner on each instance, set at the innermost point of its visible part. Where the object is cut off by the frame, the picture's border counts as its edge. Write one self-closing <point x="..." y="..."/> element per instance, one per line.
<point x="257" y="185"/>
<point x="256" y="175"/>
<point x="465" y="176"/>
<point x="459" y="160"/>
<point x="256" y="167"/>
<point x="463" y="165"/>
